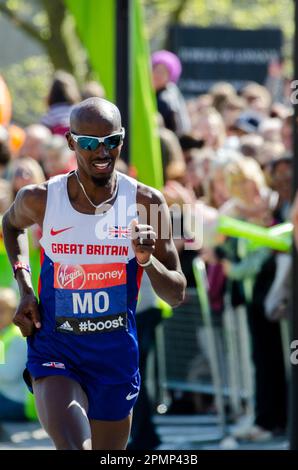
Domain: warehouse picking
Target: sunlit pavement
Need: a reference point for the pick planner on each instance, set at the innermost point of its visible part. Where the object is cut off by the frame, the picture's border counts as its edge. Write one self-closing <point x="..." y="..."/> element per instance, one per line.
<point x="25" y="436"/>
<point x="177" y="432"/>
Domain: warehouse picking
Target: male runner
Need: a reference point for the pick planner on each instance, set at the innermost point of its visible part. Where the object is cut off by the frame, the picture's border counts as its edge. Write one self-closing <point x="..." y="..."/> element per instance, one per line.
<point x="97" y="239"/>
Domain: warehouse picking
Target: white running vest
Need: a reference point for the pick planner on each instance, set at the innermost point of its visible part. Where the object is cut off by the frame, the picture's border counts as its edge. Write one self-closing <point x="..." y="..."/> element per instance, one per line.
<point x="85" y="238"/>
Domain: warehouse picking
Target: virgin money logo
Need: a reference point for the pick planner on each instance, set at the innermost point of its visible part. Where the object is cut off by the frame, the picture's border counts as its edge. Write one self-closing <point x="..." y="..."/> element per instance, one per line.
<point x="71" y="276"/>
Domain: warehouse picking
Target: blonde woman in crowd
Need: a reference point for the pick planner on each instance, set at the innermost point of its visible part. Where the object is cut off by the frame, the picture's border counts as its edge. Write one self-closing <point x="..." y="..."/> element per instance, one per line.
<point x="257" y="97"/>
<point x="209" y="126"/>
<point x="12" y="387"/>
<point x="251" y="199"/>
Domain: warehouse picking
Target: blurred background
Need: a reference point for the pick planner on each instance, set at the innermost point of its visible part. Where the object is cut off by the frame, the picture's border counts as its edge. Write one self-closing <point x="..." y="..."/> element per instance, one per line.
<point x="205" y="91"/>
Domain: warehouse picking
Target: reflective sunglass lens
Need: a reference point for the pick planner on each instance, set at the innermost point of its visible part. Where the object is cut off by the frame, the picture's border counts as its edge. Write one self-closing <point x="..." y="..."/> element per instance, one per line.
<point x="87" y="143"/>
<point x="113" y="141"/>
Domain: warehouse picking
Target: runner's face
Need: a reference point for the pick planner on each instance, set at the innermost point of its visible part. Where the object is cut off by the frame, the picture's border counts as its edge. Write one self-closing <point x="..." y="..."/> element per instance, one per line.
<point x="97" y="163"/>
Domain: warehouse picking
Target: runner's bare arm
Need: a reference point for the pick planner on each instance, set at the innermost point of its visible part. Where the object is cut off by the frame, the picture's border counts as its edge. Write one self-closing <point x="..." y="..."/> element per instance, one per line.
<point x="27" y="209"/>
<point x="154" y="227"/>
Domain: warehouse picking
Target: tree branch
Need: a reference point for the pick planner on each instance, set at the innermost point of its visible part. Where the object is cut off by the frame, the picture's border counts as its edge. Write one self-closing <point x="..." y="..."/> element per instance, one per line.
<point x="177" y="12"/>
<point x="173" y="19"/>
<point x="56" y="45"/>
<point x="23" y="24"/>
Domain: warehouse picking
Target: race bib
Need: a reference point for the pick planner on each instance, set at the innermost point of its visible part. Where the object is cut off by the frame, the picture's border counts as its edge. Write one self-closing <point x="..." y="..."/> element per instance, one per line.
<point x="90" y="298"/>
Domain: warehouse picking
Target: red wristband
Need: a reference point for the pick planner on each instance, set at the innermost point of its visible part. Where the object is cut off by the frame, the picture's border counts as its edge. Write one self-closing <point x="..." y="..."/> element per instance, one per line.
<point x="20" y="265"/>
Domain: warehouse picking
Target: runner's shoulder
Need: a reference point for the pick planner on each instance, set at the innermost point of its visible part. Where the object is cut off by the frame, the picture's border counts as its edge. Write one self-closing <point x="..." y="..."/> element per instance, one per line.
<point x="32" y="196"/>
<point x="147" y="195"/>
<point x="33" y="192"/>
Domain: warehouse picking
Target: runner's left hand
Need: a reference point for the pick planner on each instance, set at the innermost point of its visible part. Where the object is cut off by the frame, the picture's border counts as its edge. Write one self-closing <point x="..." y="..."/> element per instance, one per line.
<point x="143" y="241"/>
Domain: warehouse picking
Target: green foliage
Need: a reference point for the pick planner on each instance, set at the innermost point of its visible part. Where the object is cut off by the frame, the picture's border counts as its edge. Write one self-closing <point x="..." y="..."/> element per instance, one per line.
<point x="31" y="11"/>
<point x="54" y="29"/>
<point x="28" y="83"/>
<point x="48" y="22"/>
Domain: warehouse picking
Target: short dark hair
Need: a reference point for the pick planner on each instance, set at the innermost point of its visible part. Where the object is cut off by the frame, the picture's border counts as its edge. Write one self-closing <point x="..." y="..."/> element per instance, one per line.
<point x="189" y="142"/>
<point x="64" y="89"/>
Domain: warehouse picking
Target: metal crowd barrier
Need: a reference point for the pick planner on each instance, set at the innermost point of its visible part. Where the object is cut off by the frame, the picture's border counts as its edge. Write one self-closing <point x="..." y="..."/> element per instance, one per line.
<point x="200" y="354"/>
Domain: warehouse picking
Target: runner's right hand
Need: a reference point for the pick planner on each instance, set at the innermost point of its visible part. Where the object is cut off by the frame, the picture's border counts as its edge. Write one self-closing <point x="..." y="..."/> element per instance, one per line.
<point x="27" y="316"/>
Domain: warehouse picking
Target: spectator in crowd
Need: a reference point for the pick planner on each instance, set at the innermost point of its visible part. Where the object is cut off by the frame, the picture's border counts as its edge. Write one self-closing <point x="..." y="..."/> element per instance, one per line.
<point x="63" y="94"/>
<point x="172" y="157"/>
<point x="270" y="129"/>
<point x="248" y="122"/>
<point x="220" y="91"/>
<point x="57" y="158"/>
<point x="251" y="199"/>
<point x="92" y="88"/>
<point x="166" y="70"/>
<point x="5" y="195"/>
<point x="279" y="110"/>
<point x="198" y="169"/>
<point x="5" y="154"/>
<point x="275" y="80"/>
<point x="26" y="171"/>
<point x="287" y="133"/>
<point x="203" y="102"/>
<point x="209" y="126"/>
<point x="12" y="387"/>
<point x="230" y="108"/>
<point x="281" y="181"/>
<point x="36" y="136"/>
<point x="270" y="152"/>
<point x="257" y="97"/>
<point x="189" y="143"/>
<point x="251" y="145"/>
<point x="216" y="189"/>
<point x="294" y="217"/>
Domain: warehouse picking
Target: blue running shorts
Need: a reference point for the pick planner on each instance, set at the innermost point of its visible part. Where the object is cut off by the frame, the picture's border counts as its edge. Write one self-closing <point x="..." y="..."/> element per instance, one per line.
<point x="107" y="402"/>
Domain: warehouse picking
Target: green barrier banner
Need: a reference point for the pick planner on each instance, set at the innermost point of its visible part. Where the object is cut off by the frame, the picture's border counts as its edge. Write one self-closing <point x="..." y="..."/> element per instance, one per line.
<point x="6" y="276"/>
<point x="145" y="144"/>
<point x="95" y="22"/>
<point x="200" y="275"/>
<point x="278" y="237"/>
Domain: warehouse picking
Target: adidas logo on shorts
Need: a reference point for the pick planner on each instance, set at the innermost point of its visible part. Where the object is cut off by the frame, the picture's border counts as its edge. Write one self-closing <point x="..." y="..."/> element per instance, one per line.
<point x="65" y="326"/>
